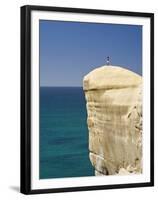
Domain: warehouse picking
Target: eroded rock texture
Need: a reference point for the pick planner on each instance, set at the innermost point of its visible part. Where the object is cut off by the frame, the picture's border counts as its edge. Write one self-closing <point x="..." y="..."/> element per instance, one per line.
<point x="114" y="109"/>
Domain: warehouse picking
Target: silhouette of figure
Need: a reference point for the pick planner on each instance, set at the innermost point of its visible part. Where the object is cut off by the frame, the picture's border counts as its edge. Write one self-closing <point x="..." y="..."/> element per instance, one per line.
<point x="108" y="61"/>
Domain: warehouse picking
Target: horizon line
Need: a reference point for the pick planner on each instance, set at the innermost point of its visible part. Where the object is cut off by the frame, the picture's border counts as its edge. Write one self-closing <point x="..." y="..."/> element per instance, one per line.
<point x="58" y="86"/>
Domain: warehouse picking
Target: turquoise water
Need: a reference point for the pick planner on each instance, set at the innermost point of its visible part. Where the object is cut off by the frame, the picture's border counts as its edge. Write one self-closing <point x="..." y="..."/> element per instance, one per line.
<point x="63" y="133"/>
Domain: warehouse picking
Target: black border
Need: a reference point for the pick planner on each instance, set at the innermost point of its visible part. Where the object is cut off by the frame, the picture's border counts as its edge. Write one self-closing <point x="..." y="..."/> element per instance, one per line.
<point x="25" y="147"/>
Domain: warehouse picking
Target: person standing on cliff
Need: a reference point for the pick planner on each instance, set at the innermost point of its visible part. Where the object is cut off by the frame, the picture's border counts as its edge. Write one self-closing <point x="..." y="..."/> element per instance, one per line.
<point x="108" y="60"/>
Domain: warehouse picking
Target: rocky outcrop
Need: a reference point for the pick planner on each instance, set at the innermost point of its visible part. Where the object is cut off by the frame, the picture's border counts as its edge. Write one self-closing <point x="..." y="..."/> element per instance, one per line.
<point x="114" y="109"/>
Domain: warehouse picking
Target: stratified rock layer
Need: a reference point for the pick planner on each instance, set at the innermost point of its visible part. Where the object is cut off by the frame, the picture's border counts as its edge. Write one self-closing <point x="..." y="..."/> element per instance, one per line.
<point x="114" y="108"/>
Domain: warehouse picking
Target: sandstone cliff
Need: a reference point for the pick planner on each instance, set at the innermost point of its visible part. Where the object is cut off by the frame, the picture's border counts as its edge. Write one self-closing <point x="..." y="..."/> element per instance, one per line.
<point x="114" y="109"/>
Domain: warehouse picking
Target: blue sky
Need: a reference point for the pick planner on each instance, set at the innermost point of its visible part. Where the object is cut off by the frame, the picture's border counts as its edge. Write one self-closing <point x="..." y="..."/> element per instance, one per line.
<point x="69" y="50"/>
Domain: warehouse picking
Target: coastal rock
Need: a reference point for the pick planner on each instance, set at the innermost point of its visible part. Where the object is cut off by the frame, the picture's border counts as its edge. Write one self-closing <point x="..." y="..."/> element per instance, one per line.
<point x="114" y="108"/>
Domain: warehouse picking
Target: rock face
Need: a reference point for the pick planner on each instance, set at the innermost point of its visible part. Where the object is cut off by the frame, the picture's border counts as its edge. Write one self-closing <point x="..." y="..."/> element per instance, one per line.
<point x="114" y="109"/>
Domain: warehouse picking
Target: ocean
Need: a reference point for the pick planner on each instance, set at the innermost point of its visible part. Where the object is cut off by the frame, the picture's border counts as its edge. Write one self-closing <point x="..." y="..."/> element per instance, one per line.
<point x="63" y="133"/>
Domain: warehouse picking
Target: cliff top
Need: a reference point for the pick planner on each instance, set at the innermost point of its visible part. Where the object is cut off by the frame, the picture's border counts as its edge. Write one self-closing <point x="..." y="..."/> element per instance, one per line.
<point x="111" y="77"/>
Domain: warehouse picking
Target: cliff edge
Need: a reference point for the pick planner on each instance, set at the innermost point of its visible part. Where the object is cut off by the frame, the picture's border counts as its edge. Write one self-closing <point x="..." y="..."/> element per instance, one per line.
<point x="114" y="109"/>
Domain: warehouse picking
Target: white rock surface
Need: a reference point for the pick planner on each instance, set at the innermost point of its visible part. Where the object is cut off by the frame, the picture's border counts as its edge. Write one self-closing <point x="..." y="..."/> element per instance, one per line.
<point x="114" y="109"/>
